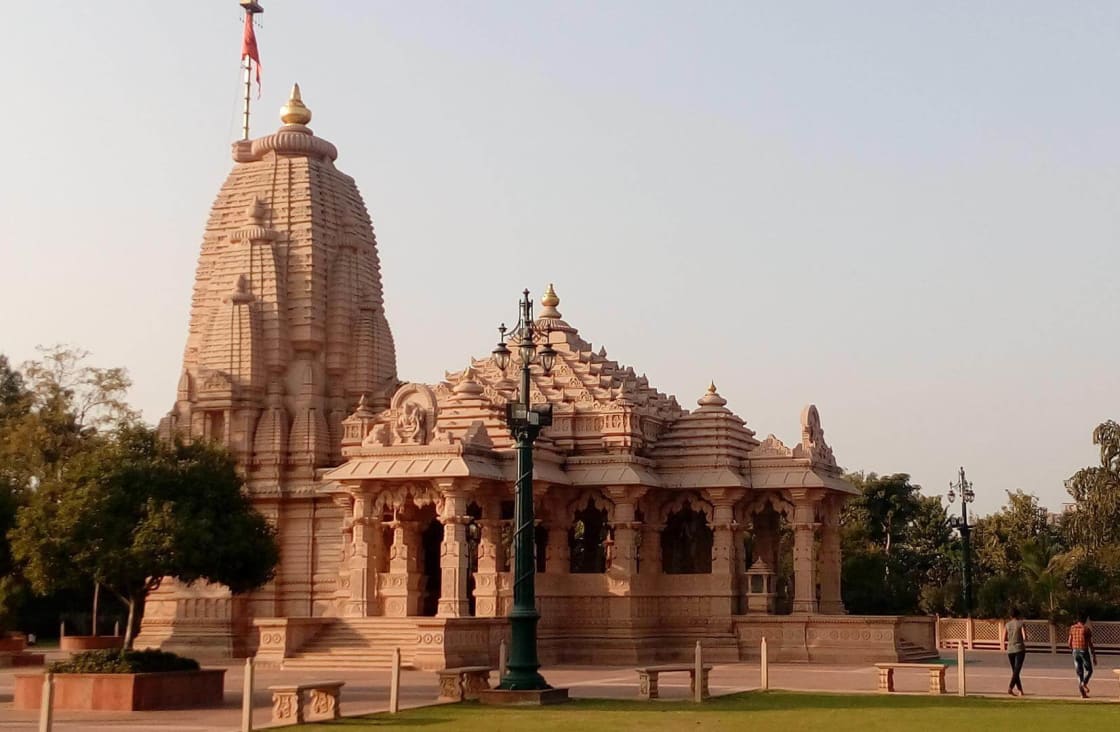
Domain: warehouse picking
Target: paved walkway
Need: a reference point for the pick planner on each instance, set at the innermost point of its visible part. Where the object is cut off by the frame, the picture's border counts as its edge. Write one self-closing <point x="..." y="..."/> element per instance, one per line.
<point x="1045" y="675"/>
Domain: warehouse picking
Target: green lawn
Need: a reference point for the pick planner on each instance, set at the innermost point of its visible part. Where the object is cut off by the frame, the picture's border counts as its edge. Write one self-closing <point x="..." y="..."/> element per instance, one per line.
<point x="757" y="712"/>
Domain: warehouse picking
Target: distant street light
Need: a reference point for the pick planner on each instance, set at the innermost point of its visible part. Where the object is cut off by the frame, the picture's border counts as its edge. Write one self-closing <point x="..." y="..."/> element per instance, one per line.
<point x="964" y="488"/>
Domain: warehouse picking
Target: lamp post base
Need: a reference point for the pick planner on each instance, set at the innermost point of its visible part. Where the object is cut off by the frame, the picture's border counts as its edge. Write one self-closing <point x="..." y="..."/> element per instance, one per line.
<point x="528" y="698"/>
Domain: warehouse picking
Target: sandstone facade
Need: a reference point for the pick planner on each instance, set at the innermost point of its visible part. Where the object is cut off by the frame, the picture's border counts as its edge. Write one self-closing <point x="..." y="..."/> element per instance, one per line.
<point x="658" y="525"/>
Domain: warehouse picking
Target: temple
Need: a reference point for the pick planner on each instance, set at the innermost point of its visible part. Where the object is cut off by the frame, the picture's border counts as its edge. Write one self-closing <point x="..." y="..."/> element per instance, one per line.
<point x="658" y="525"/>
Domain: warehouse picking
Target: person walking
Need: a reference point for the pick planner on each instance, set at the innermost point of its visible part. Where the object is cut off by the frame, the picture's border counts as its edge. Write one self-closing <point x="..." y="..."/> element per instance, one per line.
<point x="1015" y="640"/>
<point x="1084" y="653"/>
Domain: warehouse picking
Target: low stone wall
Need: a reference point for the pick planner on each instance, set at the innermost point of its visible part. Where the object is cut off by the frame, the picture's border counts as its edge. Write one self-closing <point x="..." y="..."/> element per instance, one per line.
<point x="124" y="692"/>
<point x="280" y="637"/>
<point x="835" y="638"/>
<point x="76" y="643"/>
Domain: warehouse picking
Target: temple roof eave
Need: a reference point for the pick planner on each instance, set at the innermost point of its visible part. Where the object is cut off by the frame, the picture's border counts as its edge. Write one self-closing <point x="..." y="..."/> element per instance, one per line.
<point x="798" y="474"/>
<point x="602" y="473"/>
<point x="710" y="477"/>
<point x="414" y="467"/>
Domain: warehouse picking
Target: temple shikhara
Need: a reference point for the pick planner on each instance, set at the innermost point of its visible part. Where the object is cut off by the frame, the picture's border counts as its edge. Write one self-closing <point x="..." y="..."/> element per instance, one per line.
<point x="658" y="523"/>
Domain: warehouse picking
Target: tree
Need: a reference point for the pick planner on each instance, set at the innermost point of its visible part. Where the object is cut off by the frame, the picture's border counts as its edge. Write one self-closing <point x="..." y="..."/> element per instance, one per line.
<point x="1095" y="520"/>
<point x="896" y="544"/>
<point x="49" y="413"/>
<point x="134" y="509"/>
<point x="999" y="537"/>
<point x="15" y="402"/>
<point x="886" y="504"/>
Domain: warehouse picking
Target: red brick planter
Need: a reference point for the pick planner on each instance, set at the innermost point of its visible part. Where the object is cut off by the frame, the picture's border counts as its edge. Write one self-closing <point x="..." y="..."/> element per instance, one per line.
<point x="13" y="643"/>
<point x="124" y="692"/>
<point x="75" y="643"/>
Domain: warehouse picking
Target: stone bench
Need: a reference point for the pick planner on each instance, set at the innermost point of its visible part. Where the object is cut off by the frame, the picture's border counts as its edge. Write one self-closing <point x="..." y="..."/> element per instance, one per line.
<point x="290" y="701"/>
<point x="936" y="675"/>
<point x="647" y="679"/>
<point x="464" y="682"/>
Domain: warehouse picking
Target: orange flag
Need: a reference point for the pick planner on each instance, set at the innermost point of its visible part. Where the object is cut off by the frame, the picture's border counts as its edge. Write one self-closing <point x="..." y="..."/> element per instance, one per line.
<point x="249" y="48"/>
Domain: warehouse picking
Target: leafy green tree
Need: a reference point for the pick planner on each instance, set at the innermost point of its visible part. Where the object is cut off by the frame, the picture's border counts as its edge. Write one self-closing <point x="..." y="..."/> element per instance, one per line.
<point x="1095" y="520"/>
<point x="15" y="402"/>
<point x="1045" y="566"/>
<point x="49" y="413"/>
<point x="896" y="543"/>
<point x="134" y="509"/>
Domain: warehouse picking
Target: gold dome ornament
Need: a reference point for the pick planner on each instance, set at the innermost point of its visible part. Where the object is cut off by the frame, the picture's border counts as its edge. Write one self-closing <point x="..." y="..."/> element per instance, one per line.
<point x="550" y="298"/>
<point x="295" y="112"/>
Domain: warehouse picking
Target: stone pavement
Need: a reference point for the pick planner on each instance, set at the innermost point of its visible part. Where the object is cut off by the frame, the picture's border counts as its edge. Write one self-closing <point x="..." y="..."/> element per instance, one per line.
<point x="1044" y="675"/>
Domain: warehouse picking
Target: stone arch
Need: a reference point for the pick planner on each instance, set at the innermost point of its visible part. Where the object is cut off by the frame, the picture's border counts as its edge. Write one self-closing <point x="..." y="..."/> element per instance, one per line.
<point x="589" y="536"/>
<point x="595" y="498"/>
<point x="677" y="501"/>
<point x="687" y="539"/>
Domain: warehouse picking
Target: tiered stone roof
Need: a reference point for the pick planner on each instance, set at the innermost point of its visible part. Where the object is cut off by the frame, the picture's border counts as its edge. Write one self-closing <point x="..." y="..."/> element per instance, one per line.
<point x="288" y="326"/>
<point x="610" y="426"/>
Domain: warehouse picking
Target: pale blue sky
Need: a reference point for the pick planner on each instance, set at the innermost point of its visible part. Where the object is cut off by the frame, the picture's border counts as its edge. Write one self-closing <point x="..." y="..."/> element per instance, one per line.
<point x="905" y="212"/>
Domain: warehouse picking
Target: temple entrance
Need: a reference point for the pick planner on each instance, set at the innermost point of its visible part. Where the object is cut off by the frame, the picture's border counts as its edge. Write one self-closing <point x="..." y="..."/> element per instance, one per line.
<point x="587" y="540"/>
<point x="431" y="541"/>
<point x="474" y="536"/>
<point x="686" y="542"/>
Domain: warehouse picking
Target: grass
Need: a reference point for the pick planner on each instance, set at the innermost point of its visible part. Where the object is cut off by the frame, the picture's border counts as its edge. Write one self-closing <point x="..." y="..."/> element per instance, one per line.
<point x="779" y="711"/>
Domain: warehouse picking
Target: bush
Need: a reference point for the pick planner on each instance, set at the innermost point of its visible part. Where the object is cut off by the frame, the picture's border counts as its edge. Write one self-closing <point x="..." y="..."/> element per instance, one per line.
<point x="113" y="661"/>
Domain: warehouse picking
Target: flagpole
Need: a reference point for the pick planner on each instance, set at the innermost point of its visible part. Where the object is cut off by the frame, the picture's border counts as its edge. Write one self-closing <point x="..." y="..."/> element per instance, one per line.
<point x="248" y="87"/>
<point x="251" y="8"/>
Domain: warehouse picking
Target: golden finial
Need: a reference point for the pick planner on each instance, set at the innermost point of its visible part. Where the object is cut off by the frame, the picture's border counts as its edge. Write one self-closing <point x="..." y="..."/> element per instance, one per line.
<point x="712" y="398"/>
<point x="295" y="112"/>
<point x="550" y="298"/>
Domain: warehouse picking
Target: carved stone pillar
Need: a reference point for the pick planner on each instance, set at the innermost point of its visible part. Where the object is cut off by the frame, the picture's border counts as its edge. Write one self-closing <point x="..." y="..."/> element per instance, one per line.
<point x="454" y="561"/>
<point x="804" y="550"/>
<point x="402" y="596"/>
<point x="650" y="555"/>
<point x="367" y="546"/>
<point x="739" y="561"/>
<point x="486" y="578"/>
<point x="624" y="558"/>
<point x="832" y="602"/>
<point x="722" y="524"/>
<point x="557" y="556"/>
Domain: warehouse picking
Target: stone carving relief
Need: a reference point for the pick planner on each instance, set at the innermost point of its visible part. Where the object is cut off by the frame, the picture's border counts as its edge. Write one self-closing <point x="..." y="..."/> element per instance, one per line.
<point x="812" y="444"/>
<point x="411" y="426"/>
<point x="772" y="447"/>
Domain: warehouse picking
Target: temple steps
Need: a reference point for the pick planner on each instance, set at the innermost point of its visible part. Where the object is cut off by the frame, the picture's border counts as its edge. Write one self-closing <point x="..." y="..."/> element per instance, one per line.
<point x="911" y="653"/>
<point x="357" y="643"/>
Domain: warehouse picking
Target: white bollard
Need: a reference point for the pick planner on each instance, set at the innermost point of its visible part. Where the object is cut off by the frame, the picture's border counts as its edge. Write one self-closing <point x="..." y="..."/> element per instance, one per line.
<point x="62" y="629"/>
<point x="962" y="688"/>
<point x="395" y="683"/>
<point x="698" y="685"/>
<point x="247" y="697"/>
<point x="503" y="659"/>
<point x="764" y="667"/>
<point x="117" y="629"/>
<point x="46" y="706"/>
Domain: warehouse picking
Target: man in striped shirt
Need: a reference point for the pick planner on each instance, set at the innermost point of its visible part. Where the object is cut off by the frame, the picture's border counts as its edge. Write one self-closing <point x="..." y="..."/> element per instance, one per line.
<point x="1084" y="654"/>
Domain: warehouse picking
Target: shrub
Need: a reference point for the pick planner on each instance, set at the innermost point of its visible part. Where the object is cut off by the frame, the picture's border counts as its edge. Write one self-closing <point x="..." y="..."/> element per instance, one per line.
<point x="113" y="661"/>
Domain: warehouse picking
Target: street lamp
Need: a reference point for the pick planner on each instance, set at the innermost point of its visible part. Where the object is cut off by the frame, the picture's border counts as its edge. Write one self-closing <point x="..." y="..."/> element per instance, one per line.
<point x="525" y="421"/>
<point x="964" y="488"/>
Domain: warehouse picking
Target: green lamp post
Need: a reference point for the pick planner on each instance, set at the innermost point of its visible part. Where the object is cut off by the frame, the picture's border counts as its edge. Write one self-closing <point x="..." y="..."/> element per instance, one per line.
<point x="964" y="488"/>
<point x="525" y="421"/>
